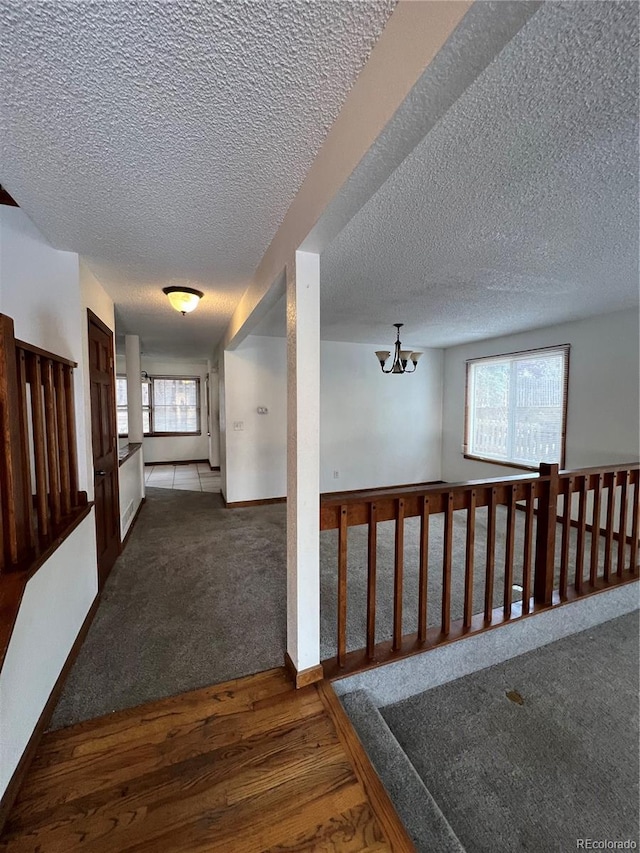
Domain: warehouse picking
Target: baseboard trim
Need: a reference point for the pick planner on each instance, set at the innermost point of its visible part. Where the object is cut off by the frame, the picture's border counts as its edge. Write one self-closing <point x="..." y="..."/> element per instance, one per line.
<point x="262" y="502"/>
<point x="125" y="541"/>
<point x="178" y="462"/>
<point x="306" y="676"/>
<point x="10" y="794"/>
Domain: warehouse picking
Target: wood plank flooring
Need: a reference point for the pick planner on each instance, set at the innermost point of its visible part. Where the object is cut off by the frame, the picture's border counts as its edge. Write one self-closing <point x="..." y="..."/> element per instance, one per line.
<point x="249" y="765"/>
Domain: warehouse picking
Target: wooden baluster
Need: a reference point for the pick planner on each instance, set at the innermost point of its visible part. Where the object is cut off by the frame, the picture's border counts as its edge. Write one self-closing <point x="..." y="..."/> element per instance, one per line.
<point x="21" y="358"/>
<point x="635" y="526"/>
<point x="566" y="538"/>
<point x="398" y="576"/>
<point x="40" y="455"/>
<point x="63" y="439"/>
<point x="342" y="586"/>
<point x="508" y="552"/>
<point x="491" y="556"/>
<point x="424" y="571"/>
<point x="52" y="443"/>
<point x="528" y="542"/>
<point x="608" y="536"/>
<point x="71" y="433"/>
<point x="595" y="530"/>
<point x="12" y="481"/>
<point x="468" y="567"/>
<point x="546" y="535"/>
<point x="371" y="582"/>
<point x="2" y="551"/>
<point x="446" y="565"/>
<point x="582" y="531"/>
<point x="622" y="524"/>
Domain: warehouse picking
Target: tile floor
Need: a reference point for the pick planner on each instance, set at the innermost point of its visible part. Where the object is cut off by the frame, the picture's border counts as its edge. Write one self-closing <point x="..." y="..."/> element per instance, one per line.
<point x="196" y="477"/>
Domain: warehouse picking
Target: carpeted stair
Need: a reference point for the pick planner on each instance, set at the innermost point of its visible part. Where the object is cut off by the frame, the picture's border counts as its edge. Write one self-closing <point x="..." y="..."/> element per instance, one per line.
<point x="417" y="809"/>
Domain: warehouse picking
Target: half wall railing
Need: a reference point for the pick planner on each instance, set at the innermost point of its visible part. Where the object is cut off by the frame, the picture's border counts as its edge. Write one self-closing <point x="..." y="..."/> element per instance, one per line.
<point x="561" y="535"/>
<point x="40" y="502"/>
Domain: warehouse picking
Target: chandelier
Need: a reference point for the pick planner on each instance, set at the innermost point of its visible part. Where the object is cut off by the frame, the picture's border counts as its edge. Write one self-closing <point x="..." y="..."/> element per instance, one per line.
<point x="401" y="357"/>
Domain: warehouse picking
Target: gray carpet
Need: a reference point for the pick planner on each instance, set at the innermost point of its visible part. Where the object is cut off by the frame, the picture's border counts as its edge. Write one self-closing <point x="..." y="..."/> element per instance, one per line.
<point x="199" y="596"/>
<point x="417" y="809"/>
<point x="535" y="776"/>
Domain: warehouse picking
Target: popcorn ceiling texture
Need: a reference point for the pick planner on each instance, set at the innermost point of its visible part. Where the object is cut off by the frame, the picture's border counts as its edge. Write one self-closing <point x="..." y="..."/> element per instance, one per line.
<point x="519" y="209"/>
<point x="165" y="139"/>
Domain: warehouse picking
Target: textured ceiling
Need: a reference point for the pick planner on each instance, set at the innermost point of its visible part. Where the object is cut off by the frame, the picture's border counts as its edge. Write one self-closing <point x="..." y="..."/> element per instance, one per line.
<point x="164" y="140"/>
<point x="518" y="209"/>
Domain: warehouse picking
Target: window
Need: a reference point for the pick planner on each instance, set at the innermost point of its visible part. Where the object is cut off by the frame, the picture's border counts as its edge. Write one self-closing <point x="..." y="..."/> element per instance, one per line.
<point x="170" y="405"/>
<point x="175" y="405"/>
<point x="121" y="405"/>
<point x="516" y="407"/>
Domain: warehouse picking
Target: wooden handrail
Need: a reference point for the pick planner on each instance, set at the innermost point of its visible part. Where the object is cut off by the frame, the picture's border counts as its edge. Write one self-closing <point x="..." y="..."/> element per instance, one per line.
<point x="43" y="353"/>
<point x="612" y="490"/>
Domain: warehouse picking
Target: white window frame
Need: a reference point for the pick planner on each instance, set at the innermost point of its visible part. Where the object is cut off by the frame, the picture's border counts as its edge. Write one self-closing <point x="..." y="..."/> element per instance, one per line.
<point x="152" y="407"/>
<point x="513" y="358"/>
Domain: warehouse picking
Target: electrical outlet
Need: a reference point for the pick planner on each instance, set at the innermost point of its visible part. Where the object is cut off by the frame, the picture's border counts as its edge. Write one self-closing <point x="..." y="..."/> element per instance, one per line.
<point x="238" y="425"/>
<point x="336" y="474"/>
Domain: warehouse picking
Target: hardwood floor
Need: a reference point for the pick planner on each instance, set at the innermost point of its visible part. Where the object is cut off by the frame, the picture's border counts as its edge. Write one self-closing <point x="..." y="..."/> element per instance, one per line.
<point x="250" y="765"/>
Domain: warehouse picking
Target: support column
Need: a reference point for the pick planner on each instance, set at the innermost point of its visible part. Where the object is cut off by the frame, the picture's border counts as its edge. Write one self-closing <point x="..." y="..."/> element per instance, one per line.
<point x="134" y="390"/>
<point x="303" y="468"/>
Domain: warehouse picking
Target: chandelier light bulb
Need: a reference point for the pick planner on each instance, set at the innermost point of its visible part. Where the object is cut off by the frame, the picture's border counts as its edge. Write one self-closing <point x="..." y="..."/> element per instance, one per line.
<point x="401" y="357"/>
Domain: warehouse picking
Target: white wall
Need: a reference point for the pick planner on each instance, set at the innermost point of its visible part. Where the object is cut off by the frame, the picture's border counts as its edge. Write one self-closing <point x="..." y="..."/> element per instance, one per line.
<point x="94" y="297"/>
<point x="375" y="430"/>
<point x="54" y="605"/>
<point x="131" y="489"/>
<point x="603" y="397"/>
<point x="255" y="375"/>
<point x="40" y="288"/>
<point x="41" y="291"/>
<point x="222" y="422"/>
<point x="214" y="417"/>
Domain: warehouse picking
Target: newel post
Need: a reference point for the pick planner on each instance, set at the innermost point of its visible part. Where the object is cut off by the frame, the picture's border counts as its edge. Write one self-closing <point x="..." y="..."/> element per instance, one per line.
<point x="546" y="535"/>
<point x="13" y="490"/>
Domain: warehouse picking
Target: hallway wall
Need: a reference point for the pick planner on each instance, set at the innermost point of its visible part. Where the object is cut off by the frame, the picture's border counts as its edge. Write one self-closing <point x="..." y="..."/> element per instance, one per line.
<point x="375" y="430"/>
<point x="47" y="294"/>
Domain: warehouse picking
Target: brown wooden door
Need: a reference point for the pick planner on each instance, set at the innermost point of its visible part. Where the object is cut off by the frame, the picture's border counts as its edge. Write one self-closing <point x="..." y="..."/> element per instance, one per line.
<point x="104" y="439"/>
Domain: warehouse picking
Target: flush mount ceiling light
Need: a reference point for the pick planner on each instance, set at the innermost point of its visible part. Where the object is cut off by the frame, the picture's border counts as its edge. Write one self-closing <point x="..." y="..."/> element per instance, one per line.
<point x="183" y="299"/>
<point x="401" y="357"/>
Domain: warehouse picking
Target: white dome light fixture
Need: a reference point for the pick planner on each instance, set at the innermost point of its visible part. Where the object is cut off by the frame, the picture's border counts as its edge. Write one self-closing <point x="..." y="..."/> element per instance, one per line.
<point x="183" y="299"/>
<point x="401" y="357"/>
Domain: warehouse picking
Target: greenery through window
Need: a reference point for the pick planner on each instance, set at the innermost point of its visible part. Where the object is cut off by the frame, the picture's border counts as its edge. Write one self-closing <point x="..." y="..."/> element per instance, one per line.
<point x="170" y="405"/>
<point x="516" y="407"/>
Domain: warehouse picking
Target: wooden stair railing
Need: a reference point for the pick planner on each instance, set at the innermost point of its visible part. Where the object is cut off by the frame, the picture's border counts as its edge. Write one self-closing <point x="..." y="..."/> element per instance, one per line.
<point x="40" y="502"/>
<point x="538" y="498"/>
